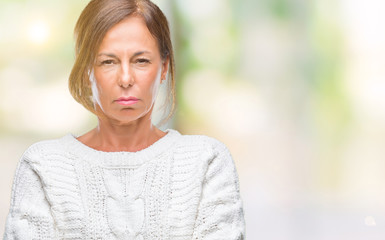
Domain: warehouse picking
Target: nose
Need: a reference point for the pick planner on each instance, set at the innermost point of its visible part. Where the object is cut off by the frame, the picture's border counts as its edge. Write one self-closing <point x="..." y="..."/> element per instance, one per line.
<point x="125" y="78"/>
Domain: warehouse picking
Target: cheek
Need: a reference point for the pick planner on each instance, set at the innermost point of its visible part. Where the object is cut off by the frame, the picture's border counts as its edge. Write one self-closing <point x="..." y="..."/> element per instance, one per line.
<point x="155" y="83"/>
<point x="99" y="86"/>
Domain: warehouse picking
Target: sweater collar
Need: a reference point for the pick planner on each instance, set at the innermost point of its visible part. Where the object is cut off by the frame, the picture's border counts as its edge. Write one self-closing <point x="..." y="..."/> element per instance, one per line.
<point x="121" y="159"/>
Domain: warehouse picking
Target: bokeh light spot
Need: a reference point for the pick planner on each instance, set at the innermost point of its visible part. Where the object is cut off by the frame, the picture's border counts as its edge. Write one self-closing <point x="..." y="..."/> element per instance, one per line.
<point x="38" y="32"/>
<point x="370" y="221"/>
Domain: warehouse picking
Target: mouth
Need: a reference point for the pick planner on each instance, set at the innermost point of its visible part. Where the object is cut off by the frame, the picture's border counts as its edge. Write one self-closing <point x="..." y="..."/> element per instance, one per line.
<point x="126" y="101"/>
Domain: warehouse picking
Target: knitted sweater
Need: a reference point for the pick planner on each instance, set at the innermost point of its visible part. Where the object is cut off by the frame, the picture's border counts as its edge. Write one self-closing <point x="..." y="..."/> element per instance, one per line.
<point x="181" y="187"/>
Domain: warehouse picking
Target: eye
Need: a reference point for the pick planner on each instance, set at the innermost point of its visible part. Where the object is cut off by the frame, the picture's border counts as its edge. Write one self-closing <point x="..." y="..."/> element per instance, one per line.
<point x="107" y="62"/>
<point x="142" y="61"/>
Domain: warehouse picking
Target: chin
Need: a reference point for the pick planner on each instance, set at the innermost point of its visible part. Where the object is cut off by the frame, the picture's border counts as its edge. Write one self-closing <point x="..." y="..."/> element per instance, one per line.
<point x="127" y="118"/>
<point x="123" y="116"/>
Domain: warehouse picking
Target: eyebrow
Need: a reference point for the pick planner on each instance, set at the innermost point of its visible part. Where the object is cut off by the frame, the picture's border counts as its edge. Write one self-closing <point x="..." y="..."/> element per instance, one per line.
<point x="107" y="54"/>
<point x="114" y="56"/>
<point x="140" y="53"/>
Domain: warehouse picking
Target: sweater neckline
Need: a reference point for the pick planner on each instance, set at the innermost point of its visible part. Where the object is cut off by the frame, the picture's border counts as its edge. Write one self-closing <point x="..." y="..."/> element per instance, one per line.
<point x="122" y="158"/>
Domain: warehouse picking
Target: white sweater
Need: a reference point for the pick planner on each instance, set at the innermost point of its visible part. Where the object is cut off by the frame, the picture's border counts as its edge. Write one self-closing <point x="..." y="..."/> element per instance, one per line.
<point x="181" y="187"/>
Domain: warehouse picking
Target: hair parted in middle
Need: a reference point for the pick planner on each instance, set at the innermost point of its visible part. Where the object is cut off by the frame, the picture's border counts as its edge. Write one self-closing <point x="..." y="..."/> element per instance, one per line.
<point x="94" y="22"/>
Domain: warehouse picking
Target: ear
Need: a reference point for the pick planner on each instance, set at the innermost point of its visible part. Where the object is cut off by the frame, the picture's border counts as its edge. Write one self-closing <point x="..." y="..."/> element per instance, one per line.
<point x="165" y="65"/>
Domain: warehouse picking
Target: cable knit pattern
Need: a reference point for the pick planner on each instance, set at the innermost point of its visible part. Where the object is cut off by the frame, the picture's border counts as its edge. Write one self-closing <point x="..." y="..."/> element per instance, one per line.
<point x="181" y="187"/>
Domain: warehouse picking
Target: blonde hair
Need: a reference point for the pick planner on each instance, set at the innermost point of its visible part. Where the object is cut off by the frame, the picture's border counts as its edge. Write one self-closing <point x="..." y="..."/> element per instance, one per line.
<point x="94" y="22"/>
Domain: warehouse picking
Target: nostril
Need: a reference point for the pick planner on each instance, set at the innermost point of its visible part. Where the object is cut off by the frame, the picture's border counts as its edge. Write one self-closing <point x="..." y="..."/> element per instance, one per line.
<point x="125" y="84"/>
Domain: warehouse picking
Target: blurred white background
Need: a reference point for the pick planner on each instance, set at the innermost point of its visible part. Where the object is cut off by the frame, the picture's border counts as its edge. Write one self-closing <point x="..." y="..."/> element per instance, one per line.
<point x="294" y="88"/>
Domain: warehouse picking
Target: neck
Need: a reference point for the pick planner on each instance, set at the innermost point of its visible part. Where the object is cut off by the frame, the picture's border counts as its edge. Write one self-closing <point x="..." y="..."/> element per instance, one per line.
<point x="113" y="137"/>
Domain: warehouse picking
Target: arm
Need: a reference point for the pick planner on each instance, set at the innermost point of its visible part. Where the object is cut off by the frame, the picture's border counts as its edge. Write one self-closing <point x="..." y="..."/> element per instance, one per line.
<point x="220" y="213"/>
<point x="29" y="216"/>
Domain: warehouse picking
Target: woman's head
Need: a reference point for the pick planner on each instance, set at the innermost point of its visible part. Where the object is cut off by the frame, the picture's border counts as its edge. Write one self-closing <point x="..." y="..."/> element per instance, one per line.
<point x="96" y="20"/>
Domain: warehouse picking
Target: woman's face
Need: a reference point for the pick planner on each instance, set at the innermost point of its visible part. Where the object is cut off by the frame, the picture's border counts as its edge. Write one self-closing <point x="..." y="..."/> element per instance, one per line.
<point x="127" y="72"/>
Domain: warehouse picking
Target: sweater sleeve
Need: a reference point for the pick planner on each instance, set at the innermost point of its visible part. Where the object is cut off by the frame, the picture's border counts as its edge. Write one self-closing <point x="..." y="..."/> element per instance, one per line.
<point x="29" y="215"/>
<point x="220" y="212"/>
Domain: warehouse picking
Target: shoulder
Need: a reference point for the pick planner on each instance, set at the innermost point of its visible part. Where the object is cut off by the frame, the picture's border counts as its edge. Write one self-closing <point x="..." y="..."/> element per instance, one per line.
<point x="43" y="149"/>
<point x="201" y="140"/>
<point x="211" y="156"/>
<point x="211" y="147"/>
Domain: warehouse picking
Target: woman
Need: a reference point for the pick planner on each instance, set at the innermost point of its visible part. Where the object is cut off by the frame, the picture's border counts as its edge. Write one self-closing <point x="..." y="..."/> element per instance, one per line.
<point x="125" y="179"/>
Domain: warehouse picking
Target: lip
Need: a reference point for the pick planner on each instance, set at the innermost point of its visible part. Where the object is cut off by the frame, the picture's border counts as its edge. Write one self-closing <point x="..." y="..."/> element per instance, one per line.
<point x="126" y="101"/>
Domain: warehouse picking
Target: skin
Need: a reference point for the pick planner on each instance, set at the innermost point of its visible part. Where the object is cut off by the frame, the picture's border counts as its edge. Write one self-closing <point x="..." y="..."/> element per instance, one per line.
<point x="128" y="64"/>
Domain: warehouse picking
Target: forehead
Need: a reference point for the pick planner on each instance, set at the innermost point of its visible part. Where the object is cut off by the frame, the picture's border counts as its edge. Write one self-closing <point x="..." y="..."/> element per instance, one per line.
<point x="131" y="32"/>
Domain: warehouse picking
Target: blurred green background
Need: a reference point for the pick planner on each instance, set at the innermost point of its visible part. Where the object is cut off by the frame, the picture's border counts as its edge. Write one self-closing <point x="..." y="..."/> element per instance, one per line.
<point x="294" y="88"/>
